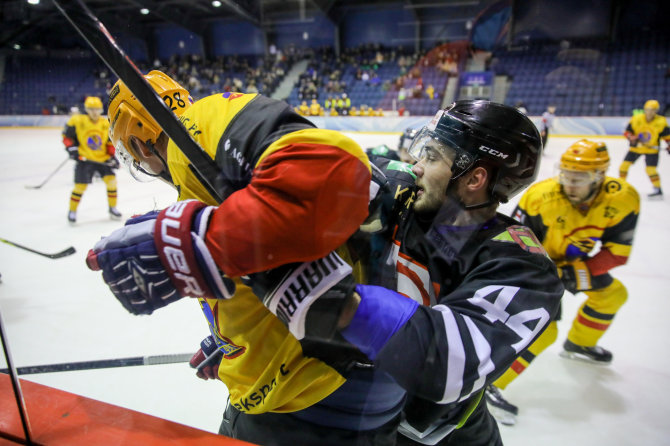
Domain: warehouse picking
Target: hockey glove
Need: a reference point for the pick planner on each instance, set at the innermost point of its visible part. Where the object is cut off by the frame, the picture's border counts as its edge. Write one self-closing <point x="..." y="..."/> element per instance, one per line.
<point x="307" y="297"/>
<point x="73" y="152"/>
<point x="160" y="257"/>
<point x="575" y="276"/>
<point x="207" y="359"/>
<point x="632" y="138"/>
<point x="112" y="162"/>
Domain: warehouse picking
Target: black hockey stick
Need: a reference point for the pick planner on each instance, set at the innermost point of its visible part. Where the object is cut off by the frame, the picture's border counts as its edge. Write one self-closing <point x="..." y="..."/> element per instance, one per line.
<point x="103" y="364"/>
<point x="57" y="255"/>
<point x="51" y="175"/>
<point x="104" y="45"/>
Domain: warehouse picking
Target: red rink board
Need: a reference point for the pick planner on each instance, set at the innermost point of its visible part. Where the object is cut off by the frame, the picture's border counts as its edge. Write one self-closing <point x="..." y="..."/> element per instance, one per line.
<point x="57" y="417"/>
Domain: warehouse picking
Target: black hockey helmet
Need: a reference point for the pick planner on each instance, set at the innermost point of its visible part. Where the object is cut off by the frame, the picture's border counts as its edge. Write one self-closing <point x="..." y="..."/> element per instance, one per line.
<point x="497" y="134"/>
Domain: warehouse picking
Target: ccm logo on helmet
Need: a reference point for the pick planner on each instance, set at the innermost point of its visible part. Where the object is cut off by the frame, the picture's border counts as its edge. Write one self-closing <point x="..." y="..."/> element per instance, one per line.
<point x="174" y="251"/>
<point x="493" y="152"/>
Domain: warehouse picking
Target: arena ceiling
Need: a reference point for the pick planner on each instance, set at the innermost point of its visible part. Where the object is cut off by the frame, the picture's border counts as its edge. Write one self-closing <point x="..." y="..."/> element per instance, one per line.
<point x="40" y="24"/>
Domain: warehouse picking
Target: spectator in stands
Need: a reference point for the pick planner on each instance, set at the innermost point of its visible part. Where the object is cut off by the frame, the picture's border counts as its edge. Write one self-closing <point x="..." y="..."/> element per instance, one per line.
<point x="339" y="105"/>
<point x="402" y="94"/>
<point x="302" y="109"/>
<point x="315" y="108"/>
<point x="430" y="91"/>
<point x="346" y="103"/>
<point x="329" y="102"/>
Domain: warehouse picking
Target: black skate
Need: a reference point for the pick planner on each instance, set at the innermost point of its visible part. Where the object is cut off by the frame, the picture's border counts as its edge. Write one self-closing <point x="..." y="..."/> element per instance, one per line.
<point x="114" y="213"/>
<point x="502" y="410"/>
<point x="72" y="217"/>
<point x="593" y="355"/>
<point x="657" y="194"/>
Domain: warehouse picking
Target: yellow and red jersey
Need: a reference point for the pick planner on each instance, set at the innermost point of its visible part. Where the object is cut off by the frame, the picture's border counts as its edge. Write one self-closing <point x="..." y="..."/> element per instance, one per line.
<point x="92" y="138"/>
<point x="570" y="232"/>
<point x="293" y="193"/>
<point x="648" y="133"/>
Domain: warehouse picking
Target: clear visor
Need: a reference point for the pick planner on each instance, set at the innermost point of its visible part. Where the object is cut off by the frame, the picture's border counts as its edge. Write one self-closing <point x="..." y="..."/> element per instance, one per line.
<point x="126" y="158"/>
<point x="425" y="145"/>
<point x="573" y="178"/>
<point x="407" y="142"/>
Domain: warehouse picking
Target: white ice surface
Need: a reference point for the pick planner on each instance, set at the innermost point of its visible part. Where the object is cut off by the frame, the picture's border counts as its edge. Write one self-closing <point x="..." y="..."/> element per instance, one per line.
<point x="59" y="311"/>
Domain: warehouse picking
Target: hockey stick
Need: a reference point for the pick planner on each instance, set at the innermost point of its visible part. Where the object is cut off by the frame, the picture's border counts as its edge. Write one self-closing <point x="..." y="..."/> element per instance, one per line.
<point x="49" y="177"/>
<point x="57" y="255"/>
<point x="104" y="45"/>
<point x="103" y="364"/>
<point x="13" y="376"/>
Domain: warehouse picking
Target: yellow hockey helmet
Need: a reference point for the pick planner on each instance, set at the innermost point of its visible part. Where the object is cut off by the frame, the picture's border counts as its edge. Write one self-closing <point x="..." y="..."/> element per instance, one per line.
<point x="652" y="104"/>
<point x="586" y="156"/>
<point x="128" y="117"/>
<point x="93" y="102"/>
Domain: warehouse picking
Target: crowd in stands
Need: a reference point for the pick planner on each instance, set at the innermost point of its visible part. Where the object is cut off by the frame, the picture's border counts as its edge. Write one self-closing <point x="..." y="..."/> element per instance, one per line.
<point x="373" y="77"/>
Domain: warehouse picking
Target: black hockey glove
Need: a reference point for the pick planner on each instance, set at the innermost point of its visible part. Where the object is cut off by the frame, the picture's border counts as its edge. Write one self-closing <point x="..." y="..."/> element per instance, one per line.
<point x="113" y="163"/>
<point x="575" y="276"/>
<point x="73" y="152"/>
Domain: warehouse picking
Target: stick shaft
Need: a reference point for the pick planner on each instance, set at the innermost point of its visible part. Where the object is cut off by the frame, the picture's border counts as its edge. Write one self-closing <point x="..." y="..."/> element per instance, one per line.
<point x="103" y="364"/>
<point x="56" y="255"/>
<point x="104" y="45"/>
<point x="50" y="175"/>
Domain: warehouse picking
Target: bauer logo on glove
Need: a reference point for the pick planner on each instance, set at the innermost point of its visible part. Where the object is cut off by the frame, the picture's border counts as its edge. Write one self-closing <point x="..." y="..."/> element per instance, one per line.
<point x="160" y="257"/>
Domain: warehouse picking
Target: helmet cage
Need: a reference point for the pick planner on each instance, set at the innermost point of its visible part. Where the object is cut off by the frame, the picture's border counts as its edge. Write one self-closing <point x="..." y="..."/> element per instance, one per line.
<point x="127" y="158"/>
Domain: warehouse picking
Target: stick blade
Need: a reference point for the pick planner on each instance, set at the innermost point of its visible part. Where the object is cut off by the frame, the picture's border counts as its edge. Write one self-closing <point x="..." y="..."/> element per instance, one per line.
<point x="64" y="253"/>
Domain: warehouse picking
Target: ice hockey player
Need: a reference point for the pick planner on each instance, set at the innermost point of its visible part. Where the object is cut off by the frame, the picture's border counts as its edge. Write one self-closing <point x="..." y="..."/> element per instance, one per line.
<point x="644" y="133"/>
<point x="586" y="221"/>
<point x="481" y="287"/>
<point x="292" y="193"/>
<point x="87" y="142"/>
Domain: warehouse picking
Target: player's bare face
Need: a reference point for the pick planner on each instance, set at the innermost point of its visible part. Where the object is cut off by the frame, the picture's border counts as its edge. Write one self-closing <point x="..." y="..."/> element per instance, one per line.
<point x="94" y="113"/>
<point x="577" y="186"/>
<point x="649" y="113"/>
<point x="433" y="173"/>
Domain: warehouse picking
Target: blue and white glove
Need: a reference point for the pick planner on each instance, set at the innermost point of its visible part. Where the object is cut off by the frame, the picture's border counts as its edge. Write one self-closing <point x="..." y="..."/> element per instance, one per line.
<point x="160" y="257"/>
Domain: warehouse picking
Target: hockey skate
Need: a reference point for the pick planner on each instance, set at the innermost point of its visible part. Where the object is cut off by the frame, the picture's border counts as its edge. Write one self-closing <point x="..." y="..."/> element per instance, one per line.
<point x="502" y="410"/>
<point x="657" y="194"/>
<point x="72" y="217"/>
<point x="114" y="213"/>
<point x="593" y="355"/>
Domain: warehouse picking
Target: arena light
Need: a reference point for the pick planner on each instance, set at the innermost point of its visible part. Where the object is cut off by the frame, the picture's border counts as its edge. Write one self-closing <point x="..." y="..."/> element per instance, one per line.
<point x="33" y="2"/>
<point x="144" y="11"/>
<point x="216" y="3"/>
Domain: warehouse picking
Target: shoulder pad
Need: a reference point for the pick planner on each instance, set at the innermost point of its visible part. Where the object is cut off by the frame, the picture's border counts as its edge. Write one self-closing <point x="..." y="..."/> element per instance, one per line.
<point x="621" y="191"/>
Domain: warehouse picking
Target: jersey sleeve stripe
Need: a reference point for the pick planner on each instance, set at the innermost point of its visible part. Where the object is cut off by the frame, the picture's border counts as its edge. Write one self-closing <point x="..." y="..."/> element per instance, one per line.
<point x="456" y="356"/>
